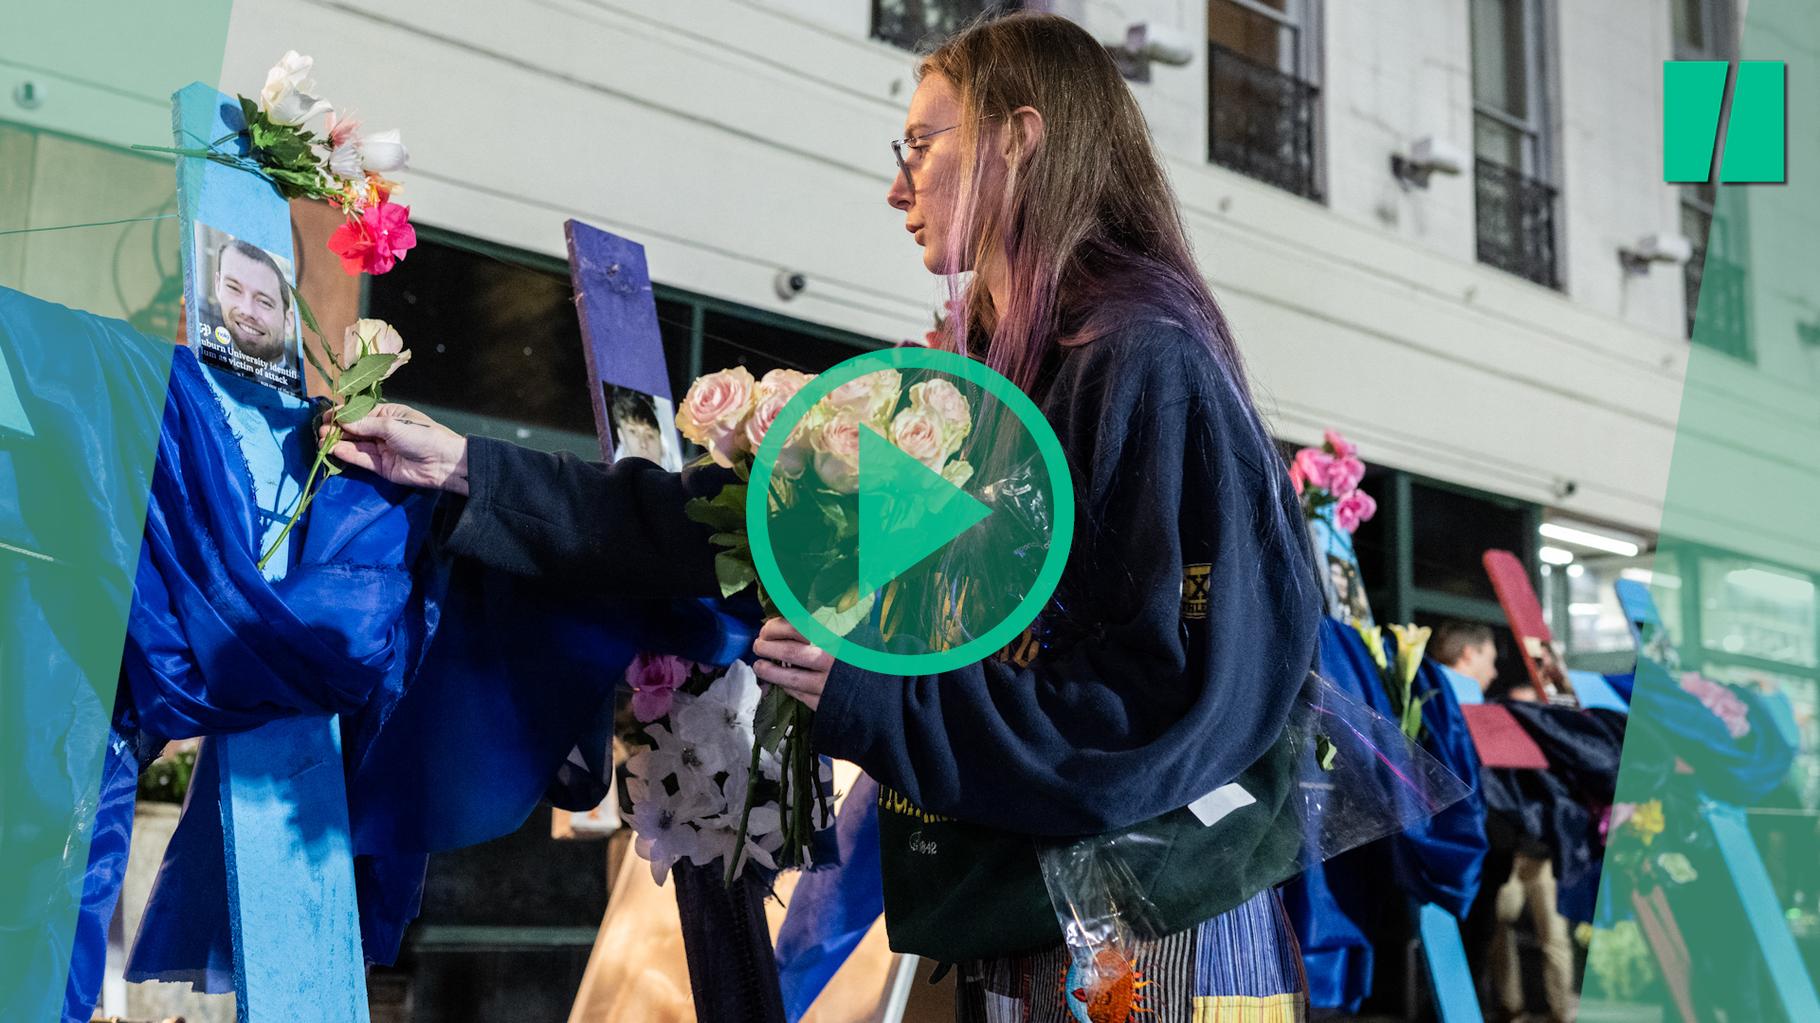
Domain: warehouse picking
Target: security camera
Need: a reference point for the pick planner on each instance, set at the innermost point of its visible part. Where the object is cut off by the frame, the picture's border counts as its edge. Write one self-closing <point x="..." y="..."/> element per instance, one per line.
<point x="1655" y="248"/>
<point x="1427" y="155"/>
<point x="790" y="284"/>
<point x="1159" y="44"/>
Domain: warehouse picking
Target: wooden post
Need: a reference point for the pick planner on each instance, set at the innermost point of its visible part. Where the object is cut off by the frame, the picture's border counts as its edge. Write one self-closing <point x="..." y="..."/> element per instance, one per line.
<point x="284" y="813"/>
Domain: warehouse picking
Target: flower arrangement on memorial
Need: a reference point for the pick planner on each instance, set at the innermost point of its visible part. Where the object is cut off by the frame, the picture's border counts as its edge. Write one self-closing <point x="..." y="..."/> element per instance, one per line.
<point x="691" y="790"/>
<point x="1328" y="477"/>
<point x="816" y="480"/>
<point x="345" y="165"/>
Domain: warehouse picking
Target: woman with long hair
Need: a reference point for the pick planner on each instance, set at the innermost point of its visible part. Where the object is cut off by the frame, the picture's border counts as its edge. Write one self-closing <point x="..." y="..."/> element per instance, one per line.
<point x="1153" y="694"/>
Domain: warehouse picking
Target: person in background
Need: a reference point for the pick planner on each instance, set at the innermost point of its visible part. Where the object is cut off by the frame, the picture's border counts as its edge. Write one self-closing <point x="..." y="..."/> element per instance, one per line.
<point x="1470" y="649"/>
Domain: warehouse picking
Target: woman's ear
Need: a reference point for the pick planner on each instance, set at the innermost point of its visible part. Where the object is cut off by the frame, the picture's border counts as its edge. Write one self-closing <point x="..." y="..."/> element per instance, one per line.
<point x="1025" y="136"/>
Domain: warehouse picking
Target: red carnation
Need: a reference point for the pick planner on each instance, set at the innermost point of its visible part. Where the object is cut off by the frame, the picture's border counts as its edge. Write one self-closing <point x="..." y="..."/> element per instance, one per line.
<point x="377" y="240"/>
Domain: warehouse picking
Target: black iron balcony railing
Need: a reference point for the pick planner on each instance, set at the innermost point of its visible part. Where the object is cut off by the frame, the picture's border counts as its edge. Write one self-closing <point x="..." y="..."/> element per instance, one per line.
<point x="1715" y="288"/>
<point x="911" y="24"/>
<point x="1516" y="216"/>
<point x="1261" y="122"/>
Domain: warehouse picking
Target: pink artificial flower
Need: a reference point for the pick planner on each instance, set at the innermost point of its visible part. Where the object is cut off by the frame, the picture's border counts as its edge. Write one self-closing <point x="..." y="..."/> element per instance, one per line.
<point x="1295" y="477"/>
<point x="1353" y="509"/>
<point x="654" y="679"/>
<point x="341" y="129"/>
<point x="1724" y="704"/>
<point x="1339" y="446"/>
<point x="375" y="241"/>
<point x="1344" y="474"/>
<point x="1314" y="465"/>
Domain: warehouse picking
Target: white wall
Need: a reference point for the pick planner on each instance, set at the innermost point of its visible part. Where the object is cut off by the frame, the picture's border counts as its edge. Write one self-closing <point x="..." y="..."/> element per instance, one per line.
<point x="736" y="138"/>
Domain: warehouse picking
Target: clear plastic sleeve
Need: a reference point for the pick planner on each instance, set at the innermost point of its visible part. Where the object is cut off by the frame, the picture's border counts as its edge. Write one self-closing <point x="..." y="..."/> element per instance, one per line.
<point x="1354" y="778"/>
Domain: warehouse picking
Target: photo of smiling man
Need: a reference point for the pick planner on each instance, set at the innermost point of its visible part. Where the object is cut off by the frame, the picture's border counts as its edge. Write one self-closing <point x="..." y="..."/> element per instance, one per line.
<point x="245" y="317"/>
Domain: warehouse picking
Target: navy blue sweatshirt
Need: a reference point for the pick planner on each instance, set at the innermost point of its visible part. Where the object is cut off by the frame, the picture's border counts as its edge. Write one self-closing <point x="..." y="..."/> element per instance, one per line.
<point x="1192" y="609"/>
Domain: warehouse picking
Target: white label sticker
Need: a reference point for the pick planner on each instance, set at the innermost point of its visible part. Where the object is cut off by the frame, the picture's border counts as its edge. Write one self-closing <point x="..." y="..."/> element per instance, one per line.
<point x="1220" y="802"/>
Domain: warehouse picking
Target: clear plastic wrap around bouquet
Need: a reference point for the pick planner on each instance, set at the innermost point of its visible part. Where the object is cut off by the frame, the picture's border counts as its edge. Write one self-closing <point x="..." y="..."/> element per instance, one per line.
<point x="1341" y="776"/>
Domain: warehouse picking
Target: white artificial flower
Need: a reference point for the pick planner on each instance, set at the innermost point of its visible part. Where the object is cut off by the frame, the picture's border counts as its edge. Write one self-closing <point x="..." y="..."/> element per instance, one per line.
<point x="344" y="160"/>
<point x="721" y="718"/>
<point x="664" y="824"/>
<point x="383" y="152"/>
<point x="692" y="764"/>
<point x="288" y="94"/>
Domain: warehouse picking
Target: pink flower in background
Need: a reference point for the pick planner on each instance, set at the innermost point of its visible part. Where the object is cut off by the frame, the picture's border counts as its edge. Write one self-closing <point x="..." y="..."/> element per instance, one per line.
<point x="1718" y="698"/>
<point x="1353" y="509"/>
<point x="1295" y="477"/>
<point x="1344" y="474"/>
<point x="376" y="241"/>
<point x="654" y="679"/>
<point x="1339" y="446"/>
<point x="1314" y="465"/>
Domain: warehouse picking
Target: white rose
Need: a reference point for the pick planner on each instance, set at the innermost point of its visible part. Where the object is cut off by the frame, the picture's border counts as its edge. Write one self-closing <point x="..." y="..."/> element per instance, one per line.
<point x="383" y="152"/>
<point x="288" y="96"/>
<point x="870" y="397"/>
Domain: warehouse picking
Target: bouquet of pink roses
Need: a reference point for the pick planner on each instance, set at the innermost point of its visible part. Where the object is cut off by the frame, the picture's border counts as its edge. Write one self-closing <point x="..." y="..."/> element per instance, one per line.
<point x="814" y="503"/>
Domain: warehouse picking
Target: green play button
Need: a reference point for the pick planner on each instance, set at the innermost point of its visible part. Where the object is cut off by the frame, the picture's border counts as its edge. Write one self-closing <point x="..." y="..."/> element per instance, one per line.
<point x="910" y="511"/>
<point x="906" y="511"/>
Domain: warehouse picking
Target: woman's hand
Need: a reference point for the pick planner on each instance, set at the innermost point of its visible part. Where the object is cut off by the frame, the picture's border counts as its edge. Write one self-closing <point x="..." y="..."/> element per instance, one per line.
<point x="404" y="446"/>
<point x="790" y="662"/>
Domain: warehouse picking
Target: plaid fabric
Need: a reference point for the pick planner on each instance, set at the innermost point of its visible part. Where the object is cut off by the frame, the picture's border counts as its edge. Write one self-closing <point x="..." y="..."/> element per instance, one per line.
<point x="1243" y="966"/>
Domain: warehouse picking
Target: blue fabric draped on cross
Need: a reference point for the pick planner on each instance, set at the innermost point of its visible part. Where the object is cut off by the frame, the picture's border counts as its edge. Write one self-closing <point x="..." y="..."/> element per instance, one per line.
<point x="1336" y="906"/>
<point x="461" y="691"/>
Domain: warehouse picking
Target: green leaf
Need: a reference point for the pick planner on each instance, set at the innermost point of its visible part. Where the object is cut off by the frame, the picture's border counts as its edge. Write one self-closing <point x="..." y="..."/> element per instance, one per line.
<point x="771" y="720"/>
<point x="723" y="513"/>
<point x="840" y="618"/>
<point x="737" y="541"/>
<point x="309" y="318"/>
<point x="734" y="572"/>
<point x="331" y="468"/>
<point x="357" y="406"/>
<point x="367" y="371"/>
<point x="743" y="470"/>
<point x="1325" y="752"/>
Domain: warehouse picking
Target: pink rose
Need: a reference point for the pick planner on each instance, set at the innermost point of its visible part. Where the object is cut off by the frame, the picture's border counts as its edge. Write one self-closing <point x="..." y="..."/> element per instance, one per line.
<point x="1353" y="509"/>
<point x="836" y="447"/>
<point x="376" y="240"/>
<point x="1344" y="474"/>
<point x="373" y="337"/>
<point x="949" y="406"/>
<point x="769" y="398"/>
<point x="919" y="434"/>
<point x="1314" y="465"/>
<point x="1339" y="446"/>
<point x="654" y="679"/>
<point x="714" y="412"/>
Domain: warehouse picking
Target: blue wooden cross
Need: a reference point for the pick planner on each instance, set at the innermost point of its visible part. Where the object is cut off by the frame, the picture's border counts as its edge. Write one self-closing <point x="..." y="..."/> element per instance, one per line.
<point x="1737" y="850"/>
<point x="284" y="807"/>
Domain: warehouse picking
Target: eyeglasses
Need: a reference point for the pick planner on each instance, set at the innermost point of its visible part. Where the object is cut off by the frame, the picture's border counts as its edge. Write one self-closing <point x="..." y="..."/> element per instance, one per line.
<point x="913" y="143"/>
